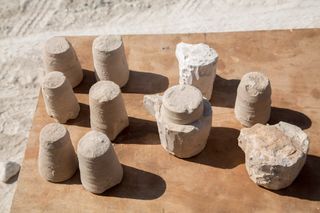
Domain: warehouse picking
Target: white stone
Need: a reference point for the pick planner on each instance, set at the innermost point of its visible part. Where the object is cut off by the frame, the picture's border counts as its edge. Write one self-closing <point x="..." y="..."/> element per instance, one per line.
<point x="8" y="169"/>
<point x="275" y="154"/>
<point x="197" y="66"/>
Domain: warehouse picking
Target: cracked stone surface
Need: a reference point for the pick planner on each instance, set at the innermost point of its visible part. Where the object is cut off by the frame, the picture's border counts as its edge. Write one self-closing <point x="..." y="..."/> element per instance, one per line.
<point x="275" y="154"/>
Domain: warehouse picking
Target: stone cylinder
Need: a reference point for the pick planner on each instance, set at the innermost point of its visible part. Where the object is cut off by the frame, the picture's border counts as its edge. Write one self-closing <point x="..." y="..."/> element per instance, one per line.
<point x="60" y="101"/>
<point x="60" y="55"/>
<point x="197" y="66"/>
<point x="109" y="59"/>
<point x="107" y="110"/>
<point x="253" y="101"/>
<point x="99" y="166"/>
<point x="57" y="160"/>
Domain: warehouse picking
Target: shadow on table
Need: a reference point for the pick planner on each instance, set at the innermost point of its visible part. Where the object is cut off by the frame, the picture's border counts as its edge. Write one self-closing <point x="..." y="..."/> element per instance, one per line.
<point x="139" y="82"/>
<point x="88" y="80"/>
<point x="290" y="116"/>
<point x="307" y="184"/>
<point x="74" y="180"/>
<point x="138" y="184"/>
<point x="139" y="131"/>
<point x="224" y="92"/>
<point x="83" y="118"/>
<point x="145" y="83"/>
<point x="222" y="149"/>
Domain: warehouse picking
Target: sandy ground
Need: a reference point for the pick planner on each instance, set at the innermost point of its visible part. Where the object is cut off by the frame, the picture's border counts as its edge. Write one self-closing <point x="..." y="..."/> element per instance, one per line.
<point x="26" y="24"/>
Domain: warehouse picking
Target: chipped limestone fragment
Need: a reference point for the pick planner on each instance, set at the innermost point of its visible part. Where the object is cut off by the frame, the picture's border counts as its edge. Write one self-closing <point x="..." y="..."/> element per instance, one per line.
<point x="253" y="101"/>
<point x="107" y="110"/>
<point x="109" y="59"/>
<point x="60" y="55"/>
<point x="197" y="66"/>
<point x="183" y="118"/>
<point x="8" y="169"/>
<point x="60" y="101"/>
<point x="274" y="154"/>
<point x="57" y="160"/>
<point x="99" y="166"/>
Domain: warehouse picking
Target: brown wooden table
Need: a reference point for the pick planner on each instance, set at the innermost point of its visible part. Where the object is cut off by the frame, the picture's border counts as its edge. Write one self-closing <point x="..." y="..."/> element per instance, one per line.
<point x="216" y="180"/>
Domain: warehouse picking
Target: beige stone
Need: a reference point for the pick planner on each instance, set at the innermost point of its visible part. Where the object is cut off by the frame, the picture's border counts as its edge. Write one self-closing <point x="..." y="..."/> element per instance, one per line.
<point x="57" y="159"/>
<point x="184" y="131"/>
<point x="60" y="101"/>
<point x="109" y="59"/>
<point x="107" y="110"/>
<point x="99" y="166"/>
<point x="253" y="101"/>
<point x="59" y="55"/>
<point x="197" y="66"/>
<point x="275" y="154"/>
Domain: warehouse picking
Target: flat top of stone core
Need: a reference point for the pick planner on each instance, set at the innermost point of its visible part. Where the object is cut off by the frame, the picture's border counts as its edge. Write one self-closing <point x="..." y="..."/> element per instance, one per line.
<point x="52" y="133"/>
<point x="195" y="54"/>
<point x="255" y="83"/>
<point x="57" y="45"/>
<point x="182" y="98"/>
<point x="104" y="91"/>
<point x="53" y="80"/>
<point x="272" y="145"/>
<point x="107" y="43"/>
<point x="93" y="144"/>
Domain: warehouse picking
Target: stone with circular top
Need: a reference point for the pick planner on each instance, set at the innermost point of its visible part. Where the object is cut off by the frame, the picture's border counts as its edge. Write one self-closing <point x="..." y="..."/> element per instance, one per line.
<point x="182" y="104"/>
<point x="57" y="159"/>
<point x="60" y="101"/>
<point x="109" y="59"/>
<point x="59" y="55"/>
<point x="99" y="166"/>
<point x="107" y="110"/>
<point x="104" y="91"/>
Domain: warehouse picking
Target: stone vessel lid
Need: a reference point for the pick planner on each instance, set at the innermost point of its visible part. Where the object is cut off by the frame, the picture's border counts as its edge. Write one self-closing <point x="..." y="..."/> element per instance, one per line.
<point x="182" y="104"/>
<point x="104" y="91"/>
<point x="94" y="144"/>
<point x="107" y="43"/>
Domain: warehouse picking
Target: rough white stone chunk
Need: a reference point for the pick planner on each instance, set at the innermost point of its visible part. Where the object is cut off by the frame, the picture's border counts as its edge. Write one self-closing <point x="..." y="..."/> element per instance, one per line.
<point x="197" y="66"/>
<point x="8" y="169"/>
<point x="275" y="154"/>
